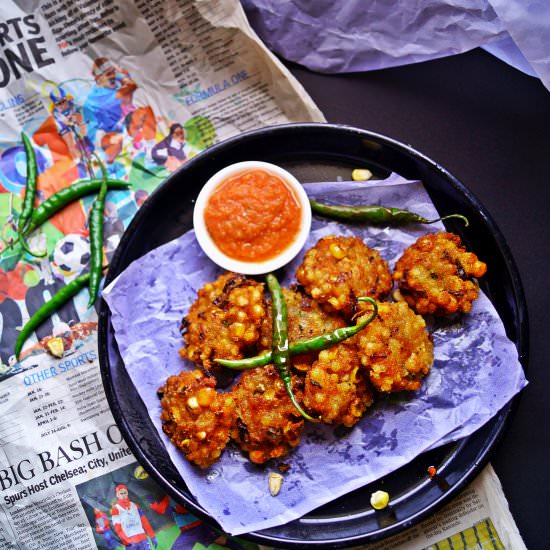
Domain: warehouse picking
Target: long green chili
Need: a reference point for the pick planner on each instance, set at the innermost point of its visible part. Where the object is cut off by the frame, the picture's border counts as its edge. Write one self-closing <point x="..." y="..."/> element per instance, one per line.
<point x="30" y="187"/>
<point x="56" y="202"/>
<point x="375" y="214"/>
<point x="57" y="300"/>
<point x="317" y="343"/>
<point x="30" y="194"/>
<point x="96" y="237"/>
<point x="279" y="346"/>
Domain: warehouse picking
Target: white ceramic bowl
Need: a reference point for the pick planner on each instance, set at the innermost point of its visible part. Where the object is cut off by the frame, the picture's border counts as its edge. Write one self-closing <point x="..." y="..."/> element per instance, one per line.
<point x="245" y="267"/>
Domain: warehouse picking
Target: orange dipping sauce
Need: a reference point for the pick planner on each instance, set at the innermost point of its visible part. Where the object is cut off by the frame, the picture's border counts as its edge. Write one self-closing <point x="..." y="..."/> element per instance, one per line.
<point x="253" y="216"/>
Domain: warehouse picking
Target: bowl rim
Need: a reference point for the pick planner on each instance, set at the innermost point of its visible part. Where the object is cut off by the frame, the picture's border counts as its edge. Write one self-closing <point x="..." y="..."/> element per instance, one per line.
<point x="210" y="248"/>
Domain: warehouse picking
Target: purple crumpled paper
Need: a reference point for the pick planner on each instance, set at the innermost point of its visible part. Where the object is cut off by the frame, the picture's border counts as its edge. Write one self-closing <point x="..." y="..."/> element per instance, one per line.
<point x="363" y="35"/>
<point x="475" y="373"/>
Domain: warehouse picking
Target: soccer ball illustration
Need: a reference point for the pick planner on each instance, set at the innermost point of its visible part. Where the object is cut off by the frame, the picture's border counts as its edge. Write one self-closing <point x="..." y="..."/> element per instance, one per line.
<point x="71" y="255"/>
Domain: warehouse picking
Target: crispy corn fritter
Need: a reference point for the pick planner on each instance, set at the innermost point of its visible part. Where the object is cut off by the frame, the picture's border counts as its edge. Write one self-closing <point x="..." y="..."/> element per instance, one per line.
<point x="225" y="320"/>
<point x="336" y="387"/>
<point x="306" y="319"/>
<point x="436" y="274"/>
<point x="396" y="348"/>
<point x="196" y="417"/>
<point x="268" y="425"/>
<point x="232" y="319"/>
<point x="337" y="270"/>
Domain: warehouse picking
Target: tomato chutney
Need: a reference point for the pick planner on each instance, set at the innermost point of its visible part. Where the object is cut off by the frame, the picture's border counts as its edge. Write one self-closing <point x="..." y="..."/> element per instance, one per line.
<point x="253" y="216"/>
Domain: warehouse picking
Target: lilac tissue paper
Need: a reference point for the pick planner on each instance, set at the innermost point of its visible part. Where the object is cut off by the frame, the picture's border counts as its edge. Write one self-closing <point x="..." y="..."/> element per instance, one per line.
<point x="364" y="35"/>
<point x="475" y="373"/>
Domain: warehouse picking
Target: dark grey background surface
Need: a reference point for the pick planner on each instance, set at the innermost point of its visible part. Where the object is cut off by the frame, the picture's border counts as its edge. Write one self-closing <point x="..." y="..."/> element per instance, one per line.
<point x="489" y="125"/>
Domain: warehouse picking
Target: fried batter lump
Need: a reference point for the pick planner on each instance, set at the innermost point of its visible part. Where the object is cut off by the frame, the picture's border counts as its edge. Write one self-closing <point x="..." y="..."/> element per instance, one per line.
<point x="396" y="348"/>
<point x="337" y="270"/>
<point x="196" y="417"/>
<point x="224" y="322"/>
<point x="268" y="425"/>
<point x="435" y="275"/>
<point x="306" y="319"/>
<point x="336" y="388"/>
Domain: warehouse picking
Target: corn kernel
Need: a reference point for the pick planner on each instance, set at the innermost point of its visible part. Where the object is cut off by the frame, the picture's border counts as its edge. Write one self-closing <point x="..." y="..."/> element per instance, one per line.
<point x="201" y="435"/>
<point x="257" y="311"/>
<point x="379" y="500"/>
<point x="242" y="301"/>
<point x="361" y="174"/>
<point x="55" y="347"/>
<point x="206" y="396"/>
<point x="255" y="294"/>
<point x="337" y="251"/>
<point x="316" y="375"/>
<point x="237" y="329"/>
<point x="275" y="482"/>
<point x="250" y="335"/>
<point x="241" y="316"/>
<point x="324" y="355"/>
<point x="193" y="403"/>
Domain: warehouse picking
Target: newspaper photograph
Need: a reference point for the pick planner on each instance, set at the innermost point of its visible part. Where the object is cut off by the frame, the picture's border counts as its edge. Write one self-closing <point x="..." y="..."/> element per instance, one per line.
<point x="122" y="92"/>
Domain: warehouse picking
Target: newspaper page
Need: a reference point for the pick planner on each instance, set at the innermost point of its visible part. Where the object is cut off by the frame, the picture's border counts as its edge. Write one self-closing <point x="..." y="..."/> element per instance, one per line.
<point x="139" y="86"/>
<point x="143" y="86"/>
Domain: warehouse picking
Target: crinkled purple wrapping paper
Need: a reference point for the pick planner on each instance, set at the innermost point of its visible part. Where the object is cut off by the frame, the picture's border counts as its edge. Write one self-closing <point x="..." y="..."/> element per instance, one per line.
<point x="475" y="373"/>
<point x="363" y="35"/>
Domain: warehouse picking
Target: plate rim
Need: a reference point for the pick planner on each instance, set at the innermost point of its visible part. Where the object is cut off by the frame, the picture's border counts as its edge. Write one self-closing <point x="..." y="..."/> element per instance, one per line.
<point x="263" y="536"/>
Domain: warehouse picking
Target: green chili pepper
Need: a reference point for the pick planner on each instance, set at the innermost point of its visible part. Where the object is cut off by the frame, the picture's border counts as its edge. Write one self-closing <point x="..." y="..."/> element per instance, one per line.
<point x="58" y="201"/>
<point x="30" y="193"/>
<point x="62" y="198"/>
<point x="280" y="351"/>
<point x="375" y="214"/>
<point x="96" y="237"/>
<point x="30" y="188"/>
<point x="58" y="299"/>
<point x="317" y="343"/>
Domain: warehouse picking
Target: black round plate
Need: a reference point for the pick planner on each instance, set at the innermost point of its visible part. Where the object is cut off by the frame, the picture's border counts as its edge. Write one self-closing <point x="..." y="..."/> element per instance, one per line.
<point x="322" y="152"/>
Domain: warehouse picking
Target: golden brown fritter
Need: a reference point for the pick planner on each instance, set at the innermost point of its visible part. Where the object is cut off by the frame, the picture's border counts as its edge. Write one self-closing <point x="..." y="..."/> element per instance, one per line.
<point x="396" y="348"/>
<point x="196" y="417"/>
<point x="435" y="275"/>
<point x="336" y="388"/>
<point x="224" y="322"/>
<point x="306" y="319"/>
<point x="268" y="425"/>
<point x="337" y="270"/>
